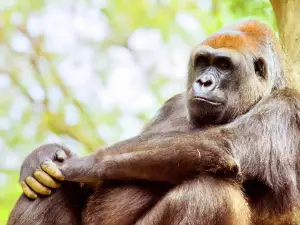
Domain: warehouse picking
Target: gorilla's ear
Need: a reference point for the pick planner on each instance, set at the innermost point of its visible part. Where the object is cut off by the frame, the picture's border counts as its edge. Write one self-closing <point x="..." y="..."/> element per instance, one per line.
<point x="260" y="68"/>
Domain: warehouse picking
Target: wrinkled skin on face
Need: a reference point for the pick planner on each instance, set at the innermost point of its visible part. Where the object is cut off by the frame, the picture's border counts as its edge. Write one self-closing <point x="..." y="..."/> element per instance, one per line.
<point x="227" y="78"/>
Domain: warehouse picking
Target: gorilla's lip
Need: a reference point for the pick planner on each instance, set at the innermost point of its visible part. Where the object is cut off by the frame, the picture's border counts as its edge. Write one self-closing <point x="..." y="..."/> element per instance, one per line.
<point x="207" y="100"/>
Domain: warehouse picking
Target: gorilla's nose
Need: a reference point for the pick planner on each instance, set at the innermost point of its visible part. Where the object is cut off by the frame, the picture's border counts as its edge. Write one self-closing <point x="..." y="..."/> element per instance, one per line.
<point x="206" y="82"/>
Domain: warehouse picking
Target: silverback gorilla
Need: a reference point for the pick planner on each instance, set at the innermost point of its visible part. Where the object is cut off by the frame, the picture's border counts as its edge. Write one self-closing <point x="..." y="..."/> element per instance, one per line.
<point x="224" y="152"/>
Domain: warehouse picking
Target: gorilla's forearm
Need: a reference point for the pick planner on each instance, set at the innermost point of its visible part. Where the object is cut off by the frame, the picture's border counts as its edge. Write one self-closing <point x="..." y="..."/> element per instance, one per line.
<point x="171" y="157"/>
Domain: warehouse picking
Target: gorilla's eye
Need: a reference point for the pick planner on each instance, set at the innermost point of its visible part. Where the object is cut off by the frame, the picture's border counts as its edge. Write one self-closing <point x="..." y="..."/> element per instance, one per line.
<point x="222" y="63"/>
<point x="259" y="67"/>
<point x="201" y="61"/>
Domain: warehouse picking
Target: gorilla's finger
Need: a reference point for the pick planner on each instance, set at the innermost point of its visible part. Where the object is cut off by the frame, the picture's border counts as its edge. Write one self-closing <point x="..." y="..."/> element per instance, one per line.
<point x="45" y="179"/>
<point x="52" y="169"/>
<point x="36" y="186"/>
<point x="27" y="191"/>
<point x="61" y="155"/>
<point x="234" y="167"/>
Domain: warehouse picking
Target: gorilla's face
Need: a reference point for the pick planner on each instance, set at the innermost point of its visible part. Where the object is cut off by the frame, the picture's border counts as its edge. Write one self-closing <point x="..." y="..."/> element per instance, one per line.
<point x="223" y="84"/>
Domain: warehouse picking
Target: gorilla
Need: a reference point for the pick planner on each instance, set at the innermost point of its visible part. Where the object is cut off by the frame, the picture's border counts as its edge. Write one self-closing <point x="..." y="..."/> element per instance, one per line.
<point x="224" y="152"/>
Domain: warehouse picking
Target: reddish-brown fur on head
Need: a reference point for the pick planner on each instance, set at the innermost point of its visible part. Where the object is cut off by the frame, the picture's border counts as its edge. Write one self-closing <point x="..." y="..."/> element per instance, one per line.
<point x="248" y="35"/>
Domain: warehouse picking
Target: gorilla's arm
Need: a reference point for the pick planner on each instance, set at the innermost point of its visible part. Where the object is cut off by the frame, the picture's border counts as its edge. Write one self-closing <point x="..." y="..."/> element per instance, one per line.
<point x="171" y="157"/>
<point x="264" y="141"/>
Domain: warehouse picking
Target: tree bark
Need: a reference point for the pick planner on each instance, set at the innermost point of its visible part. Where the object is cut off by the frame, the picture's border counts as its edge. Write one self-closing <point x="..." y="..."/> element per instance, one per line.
<point x="287" y="13"/>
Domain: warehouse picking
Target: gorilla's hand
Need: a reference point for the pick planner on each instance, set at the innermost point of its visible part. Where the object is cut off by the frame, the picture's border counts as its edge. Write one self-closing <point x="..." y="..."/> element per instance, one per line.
<point x="38" y="172"/>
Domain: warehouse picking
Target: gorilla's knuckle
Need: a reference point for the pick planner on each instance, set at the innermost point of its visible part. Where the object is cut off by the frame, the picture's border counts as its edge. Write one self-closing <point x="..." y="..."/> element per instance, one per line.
<point x="232" y="168"/>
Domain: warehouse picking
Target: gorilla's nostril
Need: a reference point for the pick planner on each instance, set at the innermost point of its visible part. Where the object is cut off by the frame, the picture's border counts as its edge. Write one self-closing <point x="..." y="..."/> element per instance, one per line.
<point x="205" y="82"/>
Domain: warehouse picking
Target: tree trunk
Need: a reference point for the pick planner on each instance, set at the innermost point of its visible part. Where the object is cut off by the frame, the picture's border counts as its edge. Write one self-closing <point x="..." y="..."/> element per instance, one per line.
<point x="287" y="13"/>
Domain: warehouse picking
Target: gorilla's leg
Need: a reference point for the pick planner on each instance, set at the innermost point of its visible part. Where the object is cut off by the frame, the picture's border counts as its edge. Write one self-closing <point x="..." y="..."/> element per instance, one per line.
<point x="64" y="206"/>
<point x="122" y="202"/>
<point x="204" y="201"/>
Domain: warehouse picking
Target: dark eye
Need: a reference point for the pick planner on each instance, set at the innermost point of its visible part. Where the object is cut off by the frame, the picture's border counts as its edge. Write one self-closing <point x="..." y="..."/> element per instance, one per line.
<point x="201" y="61"/>
<point x="223" y="63"/>
<point x="260" y="68"/>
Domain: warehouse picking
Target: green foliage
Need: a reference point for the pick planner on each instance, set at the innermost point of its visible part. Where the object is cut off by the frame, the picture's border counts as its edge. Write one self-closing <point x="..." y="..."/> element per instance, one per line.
<point x="64" y="67"/>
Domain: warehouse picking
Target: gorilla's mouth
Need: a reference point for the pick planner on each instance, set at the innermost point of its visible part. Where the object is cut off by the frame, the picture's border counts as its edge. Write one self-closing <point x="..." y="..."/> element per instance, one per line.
<point x="205" y="110"/>
<point x="207" y="100"/>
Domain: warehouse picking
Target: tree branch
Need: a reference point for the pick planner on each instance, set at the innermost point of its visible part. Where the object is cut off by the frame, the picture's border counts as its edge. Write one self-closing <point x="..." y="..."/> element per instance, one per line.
<point x="14" y="79"/>
<point x="286" y="13"/>
<point x="91" y="141"/>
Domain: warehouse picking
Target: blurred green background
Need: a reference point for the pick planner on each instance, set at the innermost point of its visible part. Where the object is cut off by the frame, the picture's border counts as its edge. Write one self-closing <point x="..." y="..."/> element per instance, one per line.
<point x="88" y="73"/>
